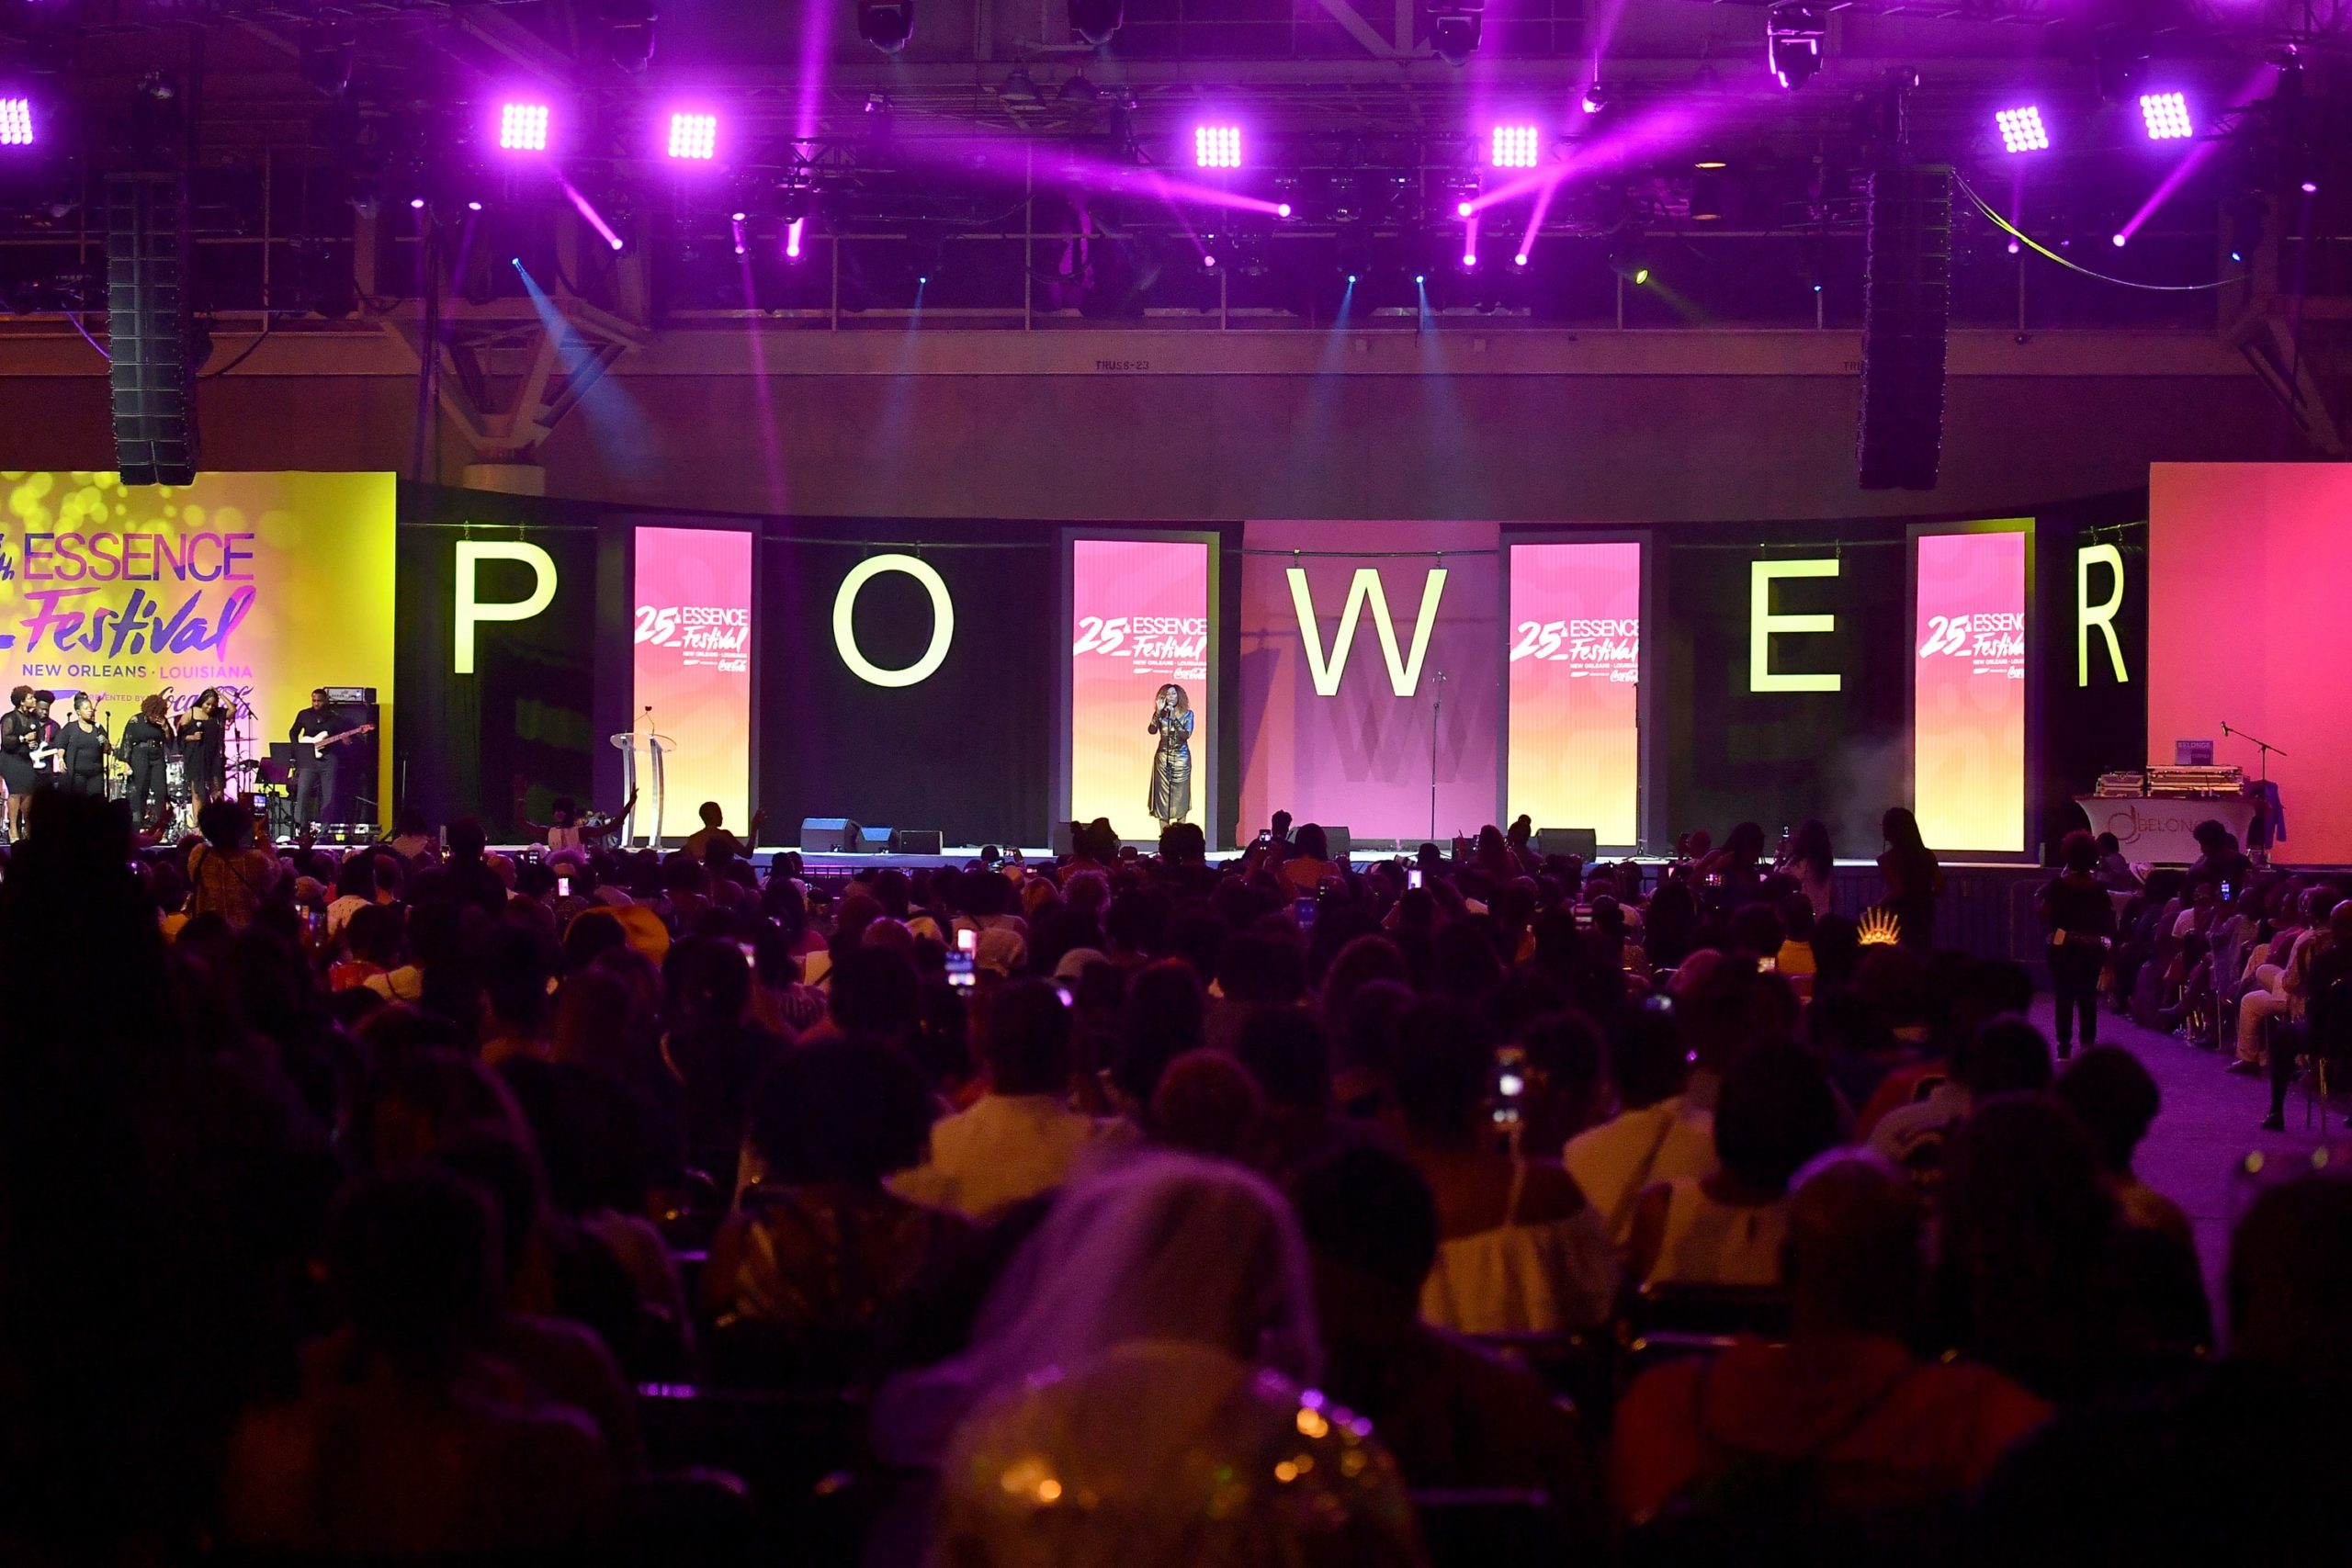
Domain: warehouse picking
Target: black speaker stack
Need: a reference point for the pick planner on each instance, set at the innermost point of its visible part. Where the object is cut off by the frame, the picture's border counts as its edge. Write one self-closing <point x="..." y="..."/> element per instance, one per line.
<point x="1907" y="306"/>
<point x="149" y="328"/>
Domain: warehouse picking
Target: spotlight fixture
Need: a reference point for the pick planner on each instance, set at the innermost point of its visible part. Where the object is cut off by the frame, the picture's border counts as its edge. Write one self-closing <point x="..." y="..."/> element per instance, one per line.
<point x="1515" y="147"/>
<point x="2167" y="115"/>
<point x="693" y="137"/>
<point x="1454" y="27"/>
<point x="2120" y="241"/>
<point x="16" y="122"/>
<point x="1596" y="98"/>
<point x="1795" y="38"/>
<point x="792" y="231"/>
<point x="522" y="128"/>
<point x="629" y="33"/>
<point x="2022" y="130"/>
<point x="887" y="24"/>
<point x="1519" y="259"/>
<point x="1096" y="20"/>
<point x="1217" y="146"/>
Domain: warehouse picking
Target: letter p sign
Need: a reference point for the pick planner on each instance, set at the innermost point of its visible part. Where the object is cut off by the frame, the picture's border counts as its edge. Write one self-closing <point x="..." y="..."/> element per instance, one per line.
<point x="471" y="612"/>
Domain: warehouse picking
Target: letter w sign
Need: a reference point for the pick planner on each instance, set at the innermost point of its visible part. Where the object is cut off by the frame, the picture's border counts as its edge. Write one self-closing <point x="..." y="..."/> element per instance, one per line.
<point x="1404" y="669"/>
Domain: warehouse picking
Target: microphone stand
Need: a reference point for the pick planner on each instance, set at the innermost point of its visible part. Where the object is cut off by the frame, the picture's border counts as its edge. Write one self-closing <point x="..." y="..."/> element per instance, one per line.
<point x="2265" y="749"/>
<point x="1437" y="711"/>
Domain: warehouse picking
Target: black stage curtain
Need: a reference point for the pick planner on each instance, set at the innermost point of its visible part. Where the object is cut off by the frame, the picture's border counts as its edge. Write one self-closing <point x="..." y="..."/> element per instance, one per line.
<point x="521" y="725"/>
<point x="1778" y="758"/>
<point x="2090" y="725"/>
<point x="969" y="750"/>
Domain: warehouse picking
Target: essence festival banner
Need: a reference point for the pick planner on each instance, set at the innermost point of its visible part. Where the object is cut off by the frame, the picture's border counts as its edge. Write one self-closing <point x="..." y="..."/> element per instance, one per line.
<point x="1575" y="654"/>
<point x="692" y="664"/>
<point x="1968" y="690"/>
<point x="2247" y="564"/>
<point x="264" y="585"/>
<point x="1371" y="676"/>
<point x="1139" y="620"/>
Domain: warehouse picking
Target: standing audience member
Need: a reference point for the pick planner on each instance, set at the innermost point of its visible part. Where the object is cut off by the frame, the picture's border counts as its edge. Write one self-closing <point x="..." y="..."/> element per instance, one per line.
<point x="2081" y="918"/>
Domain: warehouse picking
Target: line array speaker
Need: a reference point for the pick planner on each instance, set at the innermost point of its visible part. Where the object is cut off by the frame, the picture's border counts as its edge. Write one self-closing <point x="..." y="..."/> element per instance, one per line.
<point x="149" y="329"/>
<point x="1906" y="305"/>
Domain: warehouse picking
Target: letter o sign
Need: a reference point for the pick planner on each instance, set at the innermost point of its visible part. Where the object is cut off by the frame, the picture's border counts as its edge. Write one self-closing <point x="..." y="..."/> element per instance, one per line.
<point x="943" y="621"/>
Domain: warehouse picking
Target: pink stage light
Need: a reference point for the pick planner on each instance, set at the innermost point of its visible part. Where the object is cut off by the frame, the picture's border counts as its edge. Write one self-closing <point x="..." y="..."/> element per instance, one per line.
<point x="1217" y="146"/>
<point x="16" y="122"/>
<point x="522" y="128"/>
<point x="1520" y="260"/>
<point x="694" y="136"/>
<point x="2167" y="115"/>
<point x="1515" y="147"/>
<point x="792" y="238"/>
<point x="2022" y="130"/>
<point x="588" y="213"/>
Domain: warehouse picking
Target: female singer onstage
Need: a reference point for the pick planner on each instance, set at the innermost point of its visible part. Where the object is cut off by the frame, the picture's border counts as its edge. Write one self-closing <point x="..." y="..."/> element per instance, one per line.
<point x="86" y="746"/>
<point x="1171" y="767"/>
<point x="143" y="739"/>
<point x="19" y="734"/>
<point x="203" y="747"/>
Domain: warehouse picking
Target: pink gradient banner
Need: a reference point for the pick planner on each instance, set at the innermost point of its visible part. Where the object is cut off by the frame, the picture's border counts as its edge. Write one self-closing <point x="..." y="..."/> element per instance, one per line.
<point x="2247" y="564"/>
<point x="1139" y="613"/>
<point x="1573" y="648"/>
<point x="1968" y="689"/>
<point x="693" y="668"/>
<point x="1338" y="714"/>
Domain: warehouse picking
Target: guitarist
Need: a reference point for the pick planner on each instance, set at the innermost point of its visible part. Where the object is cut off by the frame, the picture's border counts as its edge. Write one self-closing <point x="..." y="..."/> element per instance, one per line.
<point x="315" y="764"/>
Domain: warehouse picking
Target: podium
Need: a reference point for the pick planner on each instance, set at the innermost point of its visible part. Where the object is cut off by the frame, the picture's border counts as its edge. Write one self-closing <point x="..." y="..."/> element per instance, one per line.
<point x="653" y="747"/>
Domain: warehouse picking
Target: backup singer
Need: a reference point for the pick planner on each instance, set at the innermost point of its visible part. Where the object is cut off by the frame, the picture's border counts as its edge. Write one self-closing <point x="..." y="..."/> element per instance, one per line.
<point x="1171" y="765"/>
<point x="84" y="741"/>
<point x="19" y="737"/>
<point x="143" y="739"/>
<point x="203" y="747"/>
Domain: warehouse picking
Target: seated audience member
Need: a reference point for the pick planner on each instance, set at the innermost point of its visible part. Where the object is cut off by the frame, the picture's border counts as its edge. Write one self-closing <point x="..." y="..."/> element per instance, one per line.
<point x="1020" y="1138"/>
<point x="2246" y="1462"/>
<point x="1310" y="860"/>
<point x="712" y="1050"/>
<point x="1288" y="1052"/>
<point x="1205" y="1103"/>
<point x="1519" y="1249"/>
<point x="2036" y="1273"/>
<point x="820" y="1253"/>
<point x="2115" y="1100"/>
<point x="1564" y="1091"/>
<point x="1777" y="1112"/>
<point x="2007" y="1055"/>
<point x="229" y="876"/>
<point x="2115" y="872"/>
<point x="2320" y="981"/>
<point x="1162" y="1019"/>
<point x="406" y="1440"/>
<point x="1452" y="1414"/>
<point x="1845" y="1426"/>
<point x="1137" y="1391"/>
<point x="1656" y="1136"/>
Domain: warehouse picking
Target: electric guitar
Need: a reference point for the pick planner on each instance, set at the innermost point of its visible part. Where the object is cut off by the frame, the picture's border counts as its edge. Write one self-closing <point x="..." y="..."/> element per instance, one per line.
<point x="319" y="742"/>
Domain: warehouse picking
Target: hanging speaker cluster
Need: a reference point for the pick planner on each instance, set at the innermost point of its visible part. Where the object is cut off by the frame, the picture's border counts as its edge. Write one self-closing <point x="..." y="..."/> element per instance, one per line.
<point x="150" y="329"/>
<point x="1906" y="307"/>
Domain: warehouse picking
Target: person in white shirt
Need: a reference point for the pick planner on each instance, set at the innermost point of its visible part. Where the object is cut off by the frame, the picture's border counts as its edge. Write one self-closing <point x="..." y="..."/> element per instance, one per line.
<point x="2008" y="1056"/>
<point x="1658" y="1134"/>
<point x="1020" y="1138"/>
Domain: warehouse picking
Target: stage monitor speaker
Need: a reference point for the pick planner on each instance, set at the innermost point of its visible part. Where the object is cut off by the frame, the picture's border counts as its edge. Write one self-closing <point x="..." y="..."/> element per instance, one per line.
<point x="1583" y="842"/>
<point x="872" y="840"/>
<point x="828" y="836"/>
<point x="1340" y="841"/>
<point x="150" y="335"/>
<point x="1907" y="306"/>
<point x="918" y="842"/>
<point x="1060" y="840"/>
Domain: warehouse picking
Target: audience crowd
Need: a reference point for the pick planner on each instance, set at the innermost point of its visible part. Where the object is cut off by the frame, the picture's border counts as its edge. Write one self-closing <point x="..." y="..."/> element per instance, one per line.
<point x="422" y="1201"/>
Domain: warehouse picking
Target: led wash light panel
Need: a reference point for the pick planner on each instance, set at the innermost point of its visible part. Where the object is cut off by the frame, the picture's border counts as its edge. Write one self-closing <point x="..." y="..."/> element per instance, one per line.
<point x="2167" y="115"/>
<point x="1217" y="146"/>
<point x="694" y="136"/>
<point x="522" y="128"/>
<point x="1516" y="147"/>
<point x="2022" y="130"/>
<point x="16" y="122"/>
